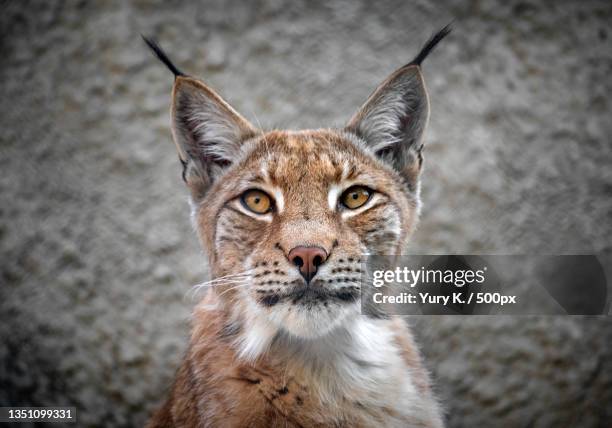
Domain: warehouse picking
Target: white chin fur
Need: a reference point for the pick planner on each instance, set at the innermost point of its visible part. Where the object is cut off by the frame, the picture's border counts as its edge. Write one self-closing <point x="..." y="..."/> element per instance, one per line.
<point x="311" y="322"/>
<point x="296" y="321"/>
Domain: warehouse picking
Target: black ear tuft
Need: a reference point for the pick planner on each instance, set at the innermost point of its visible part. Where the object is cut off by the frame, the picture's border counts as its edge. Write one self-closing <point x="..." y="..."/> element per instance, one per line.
<point x="159" y="52"/>
<point x="431" y="44"/>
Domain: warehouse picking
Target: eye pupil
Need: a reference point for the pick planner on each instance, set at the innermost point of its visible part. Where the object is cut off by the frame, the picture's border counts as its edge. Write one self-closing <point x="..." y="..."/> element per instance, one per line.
<point x="256" y="201"/>
<point x="356" y="197"/>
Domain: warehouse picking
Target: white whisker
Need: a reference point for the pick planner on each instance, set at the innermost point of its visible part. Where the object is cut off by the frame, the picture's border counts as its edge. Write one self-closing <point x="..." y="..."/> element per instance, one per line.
<point x="226" y="277"/>
<point x="234" y="287"/>
<point x="235" y="278"/>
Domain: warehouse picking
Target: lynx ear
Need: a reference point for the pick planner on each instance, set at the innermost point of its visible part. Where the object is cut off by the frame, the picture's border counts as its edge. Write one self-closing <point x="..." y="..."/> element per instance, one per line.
<point x="207" y="131"/>
<point x="393" y="119"/>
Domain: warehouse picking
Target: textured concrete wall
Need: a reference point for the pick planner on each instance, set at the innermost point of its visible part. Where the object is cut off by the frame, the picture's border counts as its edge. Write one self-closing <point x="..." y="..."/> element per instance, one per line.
<point x="96" y="248"/>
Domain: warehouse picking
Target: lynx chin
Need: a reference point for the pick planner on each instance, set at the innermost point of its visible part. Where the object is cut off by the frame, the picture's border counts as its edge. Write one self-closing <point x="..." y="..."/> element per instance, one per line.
<point x="285" y="217"/>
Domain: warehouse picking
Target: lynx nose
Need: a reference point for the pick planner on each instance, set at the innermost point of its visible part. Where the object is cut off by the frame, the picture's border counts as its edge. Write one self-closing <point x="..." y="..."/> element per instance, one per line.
<point x="307" y="259"/>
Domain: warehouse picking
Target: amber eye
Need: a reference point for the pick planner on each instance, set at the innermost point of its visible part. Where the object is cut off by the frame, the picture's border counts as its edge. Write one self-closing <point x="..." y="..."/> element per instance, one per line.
<point x="355" y="197"/>
<point x="256" y="201"/>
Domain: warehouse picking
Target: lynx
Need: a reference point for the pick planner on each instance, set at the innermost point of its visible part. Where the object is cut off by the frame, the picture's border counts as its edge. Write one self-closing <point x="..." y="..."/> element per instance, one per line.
<point x="285" y="218"/>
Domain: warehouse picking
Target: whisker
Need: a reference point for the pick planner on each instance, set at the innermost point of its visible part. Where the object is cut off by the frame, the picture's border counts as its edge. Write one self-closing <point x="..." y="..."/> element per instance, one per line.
<point x="222" y="280"/>
<point x="233" y="288"/>
<point x="246" y="272"/>
<point x="226" y="277"/>
<point x="194" y="290"/>
<point x="214" y="282"/>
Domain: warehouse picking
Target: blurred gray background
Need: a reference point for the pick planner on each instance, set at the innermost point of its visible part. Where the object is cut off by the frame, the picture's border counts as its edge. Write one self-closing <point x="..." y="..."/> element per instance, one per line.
<point x="96" y="247"/>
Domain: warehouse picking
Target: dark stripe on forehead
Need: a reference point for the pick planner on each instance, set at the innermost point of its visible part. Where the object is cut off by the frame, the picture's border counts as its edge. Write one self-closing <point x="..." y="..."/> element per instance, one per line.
<point x="352" y="172"/>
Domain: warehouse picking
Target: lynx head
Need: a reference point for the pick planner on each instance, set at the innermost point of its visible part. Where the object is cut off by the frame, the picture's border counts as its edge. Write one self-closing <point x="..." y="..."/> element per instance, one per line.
<point x="286" y="216"/>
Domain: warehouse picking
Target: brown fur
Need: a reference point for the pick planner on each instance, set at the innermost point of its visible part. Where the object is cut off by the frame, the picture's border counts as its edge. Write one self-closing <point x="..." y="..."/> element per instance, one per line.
<point x="267" y="347"/>
<point x="214" y="387"/>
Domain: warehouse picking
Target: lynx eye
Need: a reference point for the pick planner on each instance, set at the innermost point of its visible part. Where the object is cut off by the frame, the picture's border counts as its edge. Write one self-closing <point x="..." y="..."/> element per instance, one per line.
<point x="355" y="197"/>
<point x="256" y="201"/>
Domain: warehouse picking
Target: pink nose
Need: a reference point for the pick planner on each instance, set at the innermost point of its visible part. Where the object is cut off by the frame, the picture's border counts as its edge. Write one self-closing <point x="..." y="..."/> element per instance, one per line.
<point x="307" y="259"/>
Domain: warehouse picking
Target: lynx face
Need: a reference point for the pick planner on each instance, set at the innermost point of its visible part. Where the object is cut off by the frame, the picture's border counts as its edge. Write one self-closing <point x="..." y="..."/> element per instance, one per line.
<point x="286" y="216"/>
<point x="297" y="212"/>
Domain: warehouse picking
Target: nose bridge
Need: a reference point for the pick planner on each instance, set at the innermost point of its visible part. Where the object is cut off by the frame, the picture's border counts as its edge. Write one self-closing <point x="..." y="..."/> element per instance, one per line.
<point x="306" y="224"/>
<point x="309" y="197"/>
<point x="315" y="232"/>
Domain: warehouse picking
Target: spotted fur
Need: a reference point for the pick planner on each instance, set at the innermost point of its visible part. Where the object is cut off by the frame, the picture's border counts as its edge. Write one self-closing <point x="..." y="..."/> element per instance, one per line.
<point x="267" y="348"/>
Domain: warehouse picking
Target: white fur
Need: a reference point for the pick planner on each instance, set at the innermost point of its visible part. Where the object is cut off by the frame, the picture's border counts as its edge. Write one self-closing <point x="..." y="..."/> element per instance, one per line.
<point x="332" y="196"/>
<point x="358" y="361"/>
<point x="379" y="126"/>
<point x="310" y="323"/>
<point x="218" y="135"/>
<point x="258" y="334"/>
